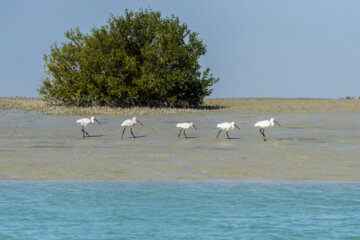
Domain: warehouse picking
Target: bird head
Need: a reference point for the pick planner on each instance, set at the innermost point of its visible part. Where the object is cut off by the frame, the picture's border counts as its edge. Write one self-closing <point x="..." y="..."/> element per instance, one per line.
<point x="137" y="121"/>
<point x="234" y="125"/>
<point x="92" y="119"/>
<point x="272" y="121"/>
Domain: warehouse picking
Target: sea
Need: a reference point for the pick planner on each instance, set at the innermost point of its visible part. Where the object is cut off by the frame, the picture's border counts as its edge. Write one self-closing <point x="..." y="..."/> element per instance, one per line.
<point x="179" y="209"/>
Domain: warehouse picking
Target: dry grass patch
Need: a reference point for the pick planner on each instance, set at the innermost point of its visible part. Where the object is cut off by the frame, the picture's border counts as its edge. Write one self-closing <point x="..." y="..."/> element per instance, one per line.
<point x="285" y="104"/>
<point x="37" y="104"/>
<point x="211" y="104"/>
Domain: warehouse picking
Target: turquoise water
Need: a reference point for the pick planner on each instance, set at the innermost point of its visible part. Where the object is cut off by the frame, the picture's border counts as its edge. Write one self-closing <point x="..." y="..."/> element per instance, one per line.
<point x="179" y="210"/>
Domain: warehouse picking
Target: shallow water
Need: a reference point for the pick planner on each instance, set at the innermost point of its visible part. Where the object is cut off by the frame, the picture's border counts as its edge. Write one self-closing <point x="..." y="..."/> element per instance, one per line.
<point x="311" y="145"/>
<point x="220" y="209"/>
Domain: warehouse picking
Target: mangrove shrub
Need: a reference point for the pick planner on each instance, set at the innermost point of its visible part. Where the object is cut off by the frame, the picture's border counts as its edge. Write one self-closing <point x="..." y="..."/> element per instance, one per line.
<point x="138" y="59"/>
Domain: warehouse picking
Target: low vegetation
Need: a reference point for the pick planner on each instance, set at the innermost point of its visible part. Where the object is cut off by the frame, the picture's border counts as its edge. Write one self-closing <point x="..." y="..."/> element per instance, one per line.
<point x="210" y="104"/>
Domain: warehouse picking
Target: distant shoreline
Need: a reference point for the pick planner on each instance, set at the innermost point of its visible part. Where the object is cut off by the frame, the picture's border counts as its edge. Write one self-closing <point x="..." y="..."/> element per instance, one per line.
<point x="210" y="104"/>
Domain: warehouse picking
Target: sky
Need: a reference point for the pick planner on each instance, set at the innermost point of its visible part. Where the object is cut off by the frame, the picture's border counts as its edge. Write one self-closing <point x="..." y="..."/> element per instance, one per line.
<point x="258" y="48"/>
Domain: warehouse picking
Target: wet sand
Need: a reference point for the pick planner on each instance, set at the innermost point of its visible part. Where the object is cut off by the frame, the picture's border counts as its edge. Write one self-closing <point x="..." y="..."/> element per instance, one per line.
<point x="311" y="145"/>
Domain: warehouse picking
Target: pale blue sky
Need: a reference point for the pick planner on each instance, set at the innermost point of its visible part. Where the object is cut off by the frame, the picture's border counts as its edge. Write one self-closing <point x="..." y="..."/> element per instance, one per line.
<point x="258" y="48"/>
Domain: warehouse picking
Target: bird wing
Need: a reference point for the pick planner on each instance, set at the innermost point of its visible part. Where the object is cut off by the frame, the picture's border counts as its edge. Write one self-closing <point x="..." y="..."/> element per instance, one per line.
<point x="223" y="125"/>
<point x="83" y="120"/>
<point x="263" y="123"/>
<point x="127" y="123"/>
<point x="182" y="125"/>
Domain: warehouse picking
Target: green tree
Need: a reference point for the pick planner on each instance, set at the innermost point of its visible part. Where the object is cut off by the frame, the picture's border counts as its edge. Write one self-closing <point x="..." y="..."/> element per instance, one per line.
<point x="139" y="59"/>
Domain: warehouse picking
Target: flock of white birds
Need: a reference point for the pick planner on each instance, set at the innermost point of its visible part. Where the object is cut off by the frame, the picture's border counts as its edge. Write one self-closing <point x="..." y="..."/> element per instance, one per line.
<point x="225" y="126"/>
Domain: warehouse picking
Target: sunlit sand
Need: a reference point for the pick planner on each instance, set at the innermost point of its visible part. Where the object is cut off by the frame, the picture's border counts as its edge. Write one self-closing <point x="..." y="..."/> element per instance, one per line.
<point x="315" y="144"/>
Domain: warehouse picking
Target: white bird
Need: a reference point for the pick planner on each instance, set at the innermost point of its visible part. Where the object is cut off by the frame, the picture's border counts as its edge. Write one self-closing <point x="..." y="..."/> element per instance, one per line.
<point x="226" y="126"/>
<point x="265" y="124"/>
<point x="185" y="126"/>
<point x="129" y="123"/>
<point x="86" y="121"/>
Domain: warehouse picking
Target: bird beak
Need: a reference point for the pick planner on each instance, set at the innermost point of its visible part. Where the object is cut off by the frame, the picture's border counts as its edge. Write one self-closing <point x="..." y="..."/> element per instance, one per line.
<point x="97" y="121"/>
<point x="139" y="122"/>
<point x="194" y="126"/>
<point x="277" y="123"/>
<point x="237" y="127"/>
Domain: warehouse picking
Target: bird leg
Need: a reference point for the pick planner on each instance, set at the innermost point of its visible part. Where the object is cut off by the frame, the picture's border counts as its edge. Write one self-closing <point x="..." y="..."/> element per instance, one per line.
<point x="132" y="133"/>
<point x="84" y="132"/>
<point x="217" y="136"/>
<point x="179" y="133"/>
<point x="123" y="133"/>
<point x="263" y="133"/>
<point x="227" y="135"/>
<point x="185" y="134"/>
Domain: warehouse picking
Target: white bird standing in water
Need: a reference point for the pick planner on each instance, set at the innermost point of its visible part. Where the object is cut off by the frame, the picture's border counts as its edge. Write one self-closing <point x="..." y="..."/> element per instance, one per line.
<point x="226" y="126"/>
<point x="185" y="126"/>
<point x="86" y="121"/>
<point x="129" y="123"/>
<point x="265" y="124"/>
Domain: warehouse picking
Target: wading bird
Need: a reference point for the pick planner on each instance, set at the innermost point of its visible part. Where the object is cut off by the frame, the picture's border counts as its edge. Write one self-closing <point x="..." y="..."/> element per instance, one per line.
<point x="129" y="123"/>
<point x="86" y="121"/>
<point x="185" y="126"/>
<point x="265" y="124"/>
<point x="226" y="126"/>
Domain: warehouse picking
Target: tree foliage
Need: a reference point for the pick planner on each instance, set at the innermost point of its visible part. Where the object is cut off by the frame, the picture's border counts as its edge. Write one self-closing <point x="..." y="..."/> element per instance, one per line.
<point x="138" y="59"/>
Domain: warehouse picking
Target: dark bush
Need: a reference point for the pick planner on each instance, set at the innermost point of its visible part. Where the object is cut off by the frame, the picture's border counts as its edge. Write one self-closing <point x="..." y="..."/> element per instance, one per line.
<point x="139" y="59"/>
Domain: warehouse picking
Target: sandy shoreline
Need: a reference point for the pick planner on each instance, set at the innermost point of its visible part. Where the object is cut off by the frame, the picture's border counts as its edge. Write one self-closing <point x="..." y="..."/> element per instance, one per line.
<point x="310" y="145"/>
<point x="215" y="104"/>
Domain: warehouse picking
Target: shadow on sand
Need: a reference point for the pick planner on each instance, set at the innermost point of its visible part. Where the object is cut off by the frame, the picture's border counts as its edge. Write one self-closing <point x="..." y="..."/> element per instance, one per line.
<point x="95" y="136"/>
<point x="231" y="138"/>
<point x="210" y="107"/>
<point x="187" y="137"/>
<point x="141" y="136"/>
